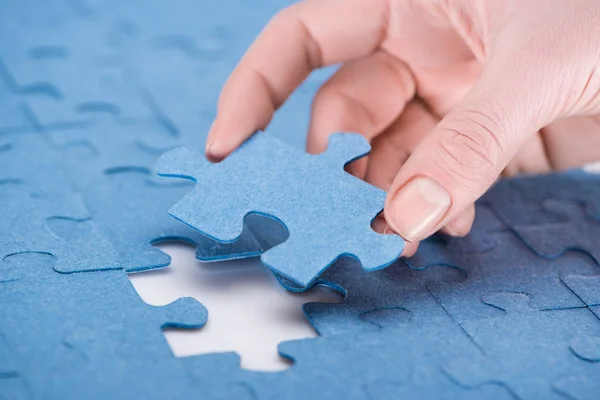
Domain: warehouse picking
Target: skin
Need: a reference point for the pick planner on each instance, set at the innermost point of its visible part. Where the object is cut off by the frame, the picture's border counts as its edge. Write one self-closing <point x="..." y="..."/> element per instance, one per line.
<point x="451" y="94"/>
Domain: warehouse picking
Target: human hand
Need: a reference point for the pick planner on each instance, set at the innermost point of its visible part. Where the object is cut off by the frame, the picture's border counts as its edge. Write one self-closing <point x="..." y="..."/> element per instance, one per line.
<point x="450" y="94"/>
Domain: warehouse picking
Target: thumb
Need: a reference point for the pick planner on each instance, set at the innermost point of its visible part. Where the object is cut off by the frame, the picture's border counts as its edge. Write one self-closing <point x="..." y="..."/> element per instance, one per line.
<point x="468" y="149"/>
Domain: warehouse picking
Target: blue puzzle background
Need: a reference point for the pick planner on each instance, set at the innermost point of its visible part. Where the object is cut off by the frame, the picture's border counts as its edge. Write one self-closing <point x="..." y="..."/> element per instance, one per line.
<point x="93" y="92"/>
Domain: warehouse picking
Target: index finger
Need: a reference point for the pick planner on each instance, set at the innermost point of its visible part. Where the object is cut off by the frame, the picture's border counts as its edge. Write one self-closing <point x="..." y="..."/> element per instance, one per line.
<point x="305" y="36"/>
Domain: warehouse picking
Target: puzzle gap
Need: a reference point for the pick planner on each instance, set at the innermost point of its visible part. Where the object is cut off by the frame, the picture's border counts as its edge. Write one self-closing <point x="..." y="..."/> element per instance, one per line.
<point x="243" y="300"/>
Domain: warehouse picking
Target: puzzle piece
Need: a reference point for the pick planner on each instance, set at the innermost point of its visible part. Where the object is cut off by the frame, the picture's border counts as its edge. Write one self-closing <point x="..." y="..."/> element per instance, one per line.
<point x="9" y="375"/>
<point x="272" y="179"/>
<point x="577" y="232"/>
<point x="40" y="173"/>
<point x="89" y="335"/>
<point x="587" y="348"/>
<point x="395" y="296"/>
<point x="576" y="186"/>
<point x="41" y="61"/>
<point x="127" y="192"/>
<point x="511" y="268"/>
<point x="53" y="224"/>
<point x="100" y="148"/>
<point x="190" y="55"/>
<point x="587" y="288"/>
<point x="109" y="165"/>
<point x="15" y="115"/>
<point x="446" y="250"/>
<point x="394" y="361"/>
<point x="527" y="351"/>
<point x="259" y="234"/>
<point x="509" y="201"/>
<point x="578" y="387"/>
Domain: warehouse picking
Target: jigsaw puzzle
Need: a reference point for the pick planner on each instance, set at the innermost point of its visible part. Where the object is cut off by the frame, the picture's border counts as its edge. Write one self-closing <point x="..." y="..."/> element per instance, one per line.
<point x="272" y="179"/>
<point x="529" y="350"/>
<point x="108" y="342"/>
<point x="374" y="367"/>
<point x="93" y="92"/>
<point x="113" y="176"/>
<point x="56" y="225"/>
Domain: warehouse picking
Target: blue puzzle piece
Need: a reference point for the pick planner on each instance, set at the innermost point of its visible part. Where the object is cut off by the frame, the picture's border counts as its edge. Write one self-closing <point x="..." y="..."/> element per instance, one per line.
<point x="15" y="115"/>
<point x="450" y="251"/>
<point x="578" y="387"/>
<point x="587" y="348"/>
<point x="41" y="61"/>
<point x="136" y="195"/>
<point x="89" y="335"/>
<point x="388" y="298"/>
<point x="324" y="208"/>
<point x="259" y="234"/>
<point x="528" y="351"/>
<point x="109" y="164"/>
<point x="183" y="61"/>
<point x="397" y="361"/>
<point x="511" y="267"/>
<point x="54" y="224"/>
<point x="509" y="201"/>
<point x="575" y="186"/>
<point x="40" y="173"/>
<point x="99" y="148"/>
<point x="552" y="239"/>
<point x="587" y="288"/>
<point x="40" y="212"/>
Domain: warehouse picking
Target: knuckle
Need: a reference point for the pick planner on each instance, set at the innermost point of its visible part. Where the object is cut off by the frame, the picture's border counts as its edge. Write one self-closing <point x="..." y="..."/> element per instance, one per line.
<point x="470" y="148"/>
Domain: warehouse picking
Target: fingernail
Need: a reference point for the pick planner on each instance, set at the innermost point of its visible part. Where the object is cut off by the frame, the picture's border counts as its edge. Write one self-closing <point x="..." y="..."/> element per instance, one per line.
<point x="418" y="208"/>
<point x="211" y="138"/>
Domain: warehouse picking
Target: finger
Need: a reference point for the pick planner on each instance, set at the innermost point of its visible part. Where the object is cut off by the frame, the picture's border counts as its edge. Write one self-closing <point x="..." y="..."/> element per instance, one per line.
<point x="393" y="147"/>
<point x="364" y="96"/>
<point x="302" y="37"/>
<point x="530" y="158"/>
<point x="462" y="224"/>
<point x="470" y="147"/>
<point x="410" y="249"/>
<point x="380" y="226"/>
<point x="572" y="142"/>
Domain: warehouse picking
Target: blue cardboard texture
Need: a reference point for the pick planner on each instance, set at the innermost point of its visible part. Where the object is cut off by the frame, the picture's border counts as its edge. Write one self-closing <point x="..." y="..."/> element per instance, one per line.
<point x="126" y="193"/>
<point x="325" y="209"/>
<point x="53" y="224"/>
<point x="578" y="387"/>
<point x="519" y="199"/>
<point x="450" y="251"/>
<point x="14" y="113"/>
<point x="370" y="363"/>
<point x="27" y="160"/>
<point x="587" y="288"/>
<point x="108" y="342"/>
<point x="551" y="239"/>
<point x="574" y="186"/>
<point x="396" y="295"/>
<point x="50" y="48"/>
<point x="168" y="62"/>
<point x="587" y="348"/>
<point x="528" y="351"/>
<point x="512" y="267"/>
<point x="110" y="164"/>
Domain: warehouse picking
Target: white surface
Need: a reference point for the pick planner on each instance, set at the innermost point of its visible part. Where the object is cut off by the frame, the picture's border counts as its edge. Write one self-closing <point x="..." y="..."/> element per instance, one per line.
<point x="249" y="312"/>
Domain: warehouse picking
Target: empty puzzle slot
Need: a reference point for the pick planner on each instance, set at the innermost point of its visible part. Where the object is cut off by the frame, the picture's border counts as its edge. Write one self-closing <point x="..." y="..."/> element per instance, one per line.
<point x="249" y="312"/>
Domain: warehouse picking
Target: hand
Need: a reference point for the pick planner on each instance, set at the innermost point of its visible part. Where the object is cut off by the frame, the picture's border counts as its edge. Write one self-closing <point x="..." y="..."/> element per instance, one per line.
<point x="450" y="94"/>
